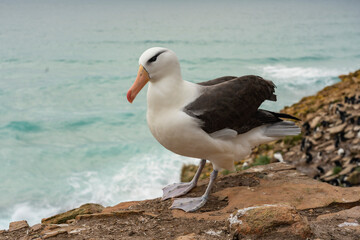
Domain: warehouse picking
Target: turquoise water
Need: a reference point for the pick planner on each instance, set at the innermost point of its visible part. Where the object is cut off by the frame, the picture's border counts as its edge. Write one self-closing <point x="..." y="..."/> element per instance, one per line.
<point x="67" y="134"/>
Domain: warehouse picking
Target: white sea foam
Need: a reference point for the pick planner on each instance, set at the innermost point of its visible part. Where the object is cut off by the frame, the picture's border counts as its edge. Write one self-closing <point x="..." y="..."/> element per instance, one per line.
<point x="142" y="177"/>
<point x="302" y="74"/>
<point x="29" y="212"/>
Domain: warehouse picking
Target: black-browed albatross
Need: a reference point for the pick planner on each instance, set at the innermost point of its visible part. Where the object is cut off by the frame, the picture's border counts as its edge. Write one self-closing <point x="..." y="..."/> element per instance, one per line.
<point x="217" y="120"/>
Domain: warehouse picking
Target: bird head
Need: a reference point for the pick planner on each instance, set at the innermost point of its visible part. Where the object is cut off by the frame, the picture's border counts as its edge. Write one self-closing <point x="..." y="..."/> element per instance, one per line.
<point x="154" y="64"/>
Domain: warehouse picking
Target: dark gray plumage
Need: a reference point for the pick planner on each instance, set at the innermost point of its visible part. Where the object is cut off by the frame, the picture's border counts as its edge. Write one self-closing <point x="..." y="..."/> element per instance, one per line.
<point x="233" y="102"/>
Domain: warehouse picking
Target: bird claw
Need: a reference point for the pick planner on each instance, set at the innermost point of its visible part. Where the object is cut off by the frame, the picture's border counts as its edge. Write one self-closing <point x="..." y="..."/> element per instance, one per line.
<point x="176" y="190"/>
<point x="188" y="204"/>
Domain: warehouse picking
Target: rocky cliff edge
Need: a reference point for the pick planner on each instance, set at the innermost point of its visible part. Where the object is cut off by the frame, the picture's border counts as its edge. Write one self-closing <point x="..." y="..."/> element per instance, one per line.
<point x="273" y="201"/>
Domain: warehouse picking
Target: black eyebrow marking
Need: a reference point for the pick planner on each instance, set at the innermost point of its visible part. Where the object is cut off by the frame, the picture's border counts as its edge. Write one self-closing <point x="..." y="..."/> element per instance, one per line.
<point x="153" y="59"/>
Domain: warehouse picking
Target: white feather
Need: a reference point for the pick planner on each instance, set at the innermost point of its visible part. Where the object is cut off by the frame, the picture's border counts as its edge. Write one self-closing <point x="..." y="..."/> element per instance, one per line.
<point x="224" y="134"/>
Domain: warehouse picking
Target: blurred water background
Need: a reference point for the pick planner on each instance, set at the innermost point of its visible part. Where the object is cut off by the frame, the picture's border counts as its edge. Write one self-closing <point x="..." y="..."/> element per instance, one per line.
<point x="67" y="134"/>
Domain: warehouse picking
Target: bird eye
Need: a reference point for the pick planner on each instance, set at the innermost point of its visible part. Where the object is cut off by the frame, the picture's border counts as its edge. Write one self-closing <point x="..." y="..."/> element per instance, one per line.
<point x="153" y="59"/>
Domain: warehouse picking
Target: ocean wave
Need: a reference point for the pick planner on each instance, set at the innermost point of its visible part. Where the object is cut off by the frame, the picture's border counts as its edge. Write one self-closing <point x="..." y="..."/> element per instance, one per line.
<point x="26" y="210"/>
<point x="24" y="126"/>
<point x="82" y="123"/>
<point x="140" y="177"/>
<point x="12" y="60"/>
<point x="85" y="62"/>
<point x="297" y="59"/>
<point x="160" y="41"/>
<point x="15" y="60"/>
<point x="303" y="75"/>
<point x="184" y="42"/>
<point x="267" y="60"/>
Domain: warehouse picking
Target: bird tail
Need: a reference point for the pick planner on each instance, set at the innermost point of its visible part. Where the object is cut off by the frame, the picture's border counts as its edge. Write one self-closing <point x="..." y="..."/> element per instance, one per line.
<point x="284" y="115"/>
<point x="282" y="129"/>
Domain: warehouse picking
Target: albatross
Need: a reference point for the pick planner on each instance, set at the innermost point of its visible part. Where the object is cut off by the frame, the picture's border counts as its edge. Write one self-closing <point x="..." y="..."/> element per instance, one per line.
<point x="217" y="120"/>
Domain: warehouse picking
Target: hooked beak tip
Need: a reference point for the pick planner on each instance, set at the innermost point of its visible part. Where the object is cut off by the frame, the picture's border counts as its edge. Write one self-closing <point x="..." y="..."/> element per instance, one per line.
<point x="128" y="96"/>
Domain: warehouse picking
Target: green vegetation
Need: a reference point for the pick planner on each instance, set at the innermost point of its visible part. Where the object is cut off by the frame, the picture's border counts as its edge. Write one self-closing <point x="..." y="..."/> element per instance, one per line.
<point x="261" y="160"/>
<point x="337" y="169"/>
<point x="225" y="172"/>
<point x="266" y="147"/>
<point x="246" y="167"/>
<point x="292" y="140"/>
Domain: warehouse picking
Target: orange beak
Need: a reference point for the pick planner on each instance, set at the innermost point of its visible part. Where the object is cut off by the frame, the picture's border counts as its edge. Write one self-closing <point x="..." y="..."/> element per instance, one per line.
<point x="141" y="80"/>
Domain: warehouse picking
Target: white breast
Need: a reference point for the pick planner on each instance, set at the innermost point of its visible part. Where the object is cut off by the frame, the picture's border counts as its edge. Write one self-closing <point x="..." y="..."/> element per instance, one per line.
<point x="169" y="124"/>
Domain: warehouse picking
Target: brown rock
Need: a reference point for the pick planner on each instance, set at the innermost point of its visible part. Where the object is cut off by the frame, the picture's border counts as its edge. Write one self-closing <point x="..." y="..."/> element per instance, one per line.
<point x="356" y="79"/>
<point x="259" y="220"/>
<point x="290" y="154"/>
<point x="316" y="120"/>
<point x="336" y="129"/>
<point x="317" y="135"/>
<point x="347" y="169"/>
<point x="71" y="221"/>
<point x="354" y="149"/>
<point x="25" y="238"/>
<point x="309" y="116"/>
<point x="54" y="233"/>
<point x="119" y="214"/>
<point x="327" y="136"/>
<point x="50" y="227"/>
<point x="356" y="107"/>
<point x="330" y="148"/>
<point x="336" y="158"/>
<point x="120" y="206"/>
<point x="349" y="135"/>
<point x="13" y="226"/>
<point x="36" y="227"/>
<point x="323" y="145"/>
<point x="338" y="225"/>
<point x="354" y="178"/>
<point x="348" y="128"/>
<point x="352" y="213"/>
<point x="88" y="208"/>
<point x="76" y="230"/>
<point x="191" y="236"/>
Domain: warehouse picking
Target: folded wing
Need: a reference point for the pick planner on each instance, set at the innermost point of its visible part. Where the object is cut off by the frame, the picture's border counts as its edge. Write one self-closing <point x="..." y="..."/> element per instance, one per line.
<point x="233" y="102"/>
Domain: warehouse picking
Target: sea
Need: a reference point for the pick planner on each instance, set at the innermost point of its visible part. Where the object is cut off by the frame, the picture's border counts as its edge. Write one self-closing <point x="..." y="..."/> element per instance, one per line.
<point x="68" y="136"/>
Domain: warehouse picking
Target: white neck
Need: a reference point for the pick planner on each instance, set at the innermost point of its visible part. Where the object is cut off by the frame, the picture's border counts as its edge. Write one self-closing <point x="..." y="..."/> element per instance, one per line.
<point x="170" y="93"/>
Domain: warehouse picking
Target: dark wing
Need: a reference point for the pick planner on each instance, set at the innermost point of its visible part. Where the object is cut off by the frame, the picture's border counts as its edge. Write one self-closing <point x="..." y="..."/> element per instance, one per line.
<point x="263" y="117"/>
<point x="233" y="103"/>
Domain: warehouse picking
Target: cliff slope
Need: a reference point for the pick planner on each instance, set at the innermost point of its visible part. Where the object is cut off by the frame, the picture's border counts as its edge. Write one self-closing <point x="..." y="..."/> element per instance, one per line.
<point x="273" y="201"/>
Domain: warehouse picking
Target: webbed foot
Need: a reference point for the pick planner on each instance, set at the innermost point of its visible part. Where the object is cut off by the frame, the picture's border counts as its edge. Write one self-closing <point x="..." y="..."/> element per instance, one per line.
<point x="176" y="189"/>
<point x="189" y="204"/>
<point x="179" y="189"/>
